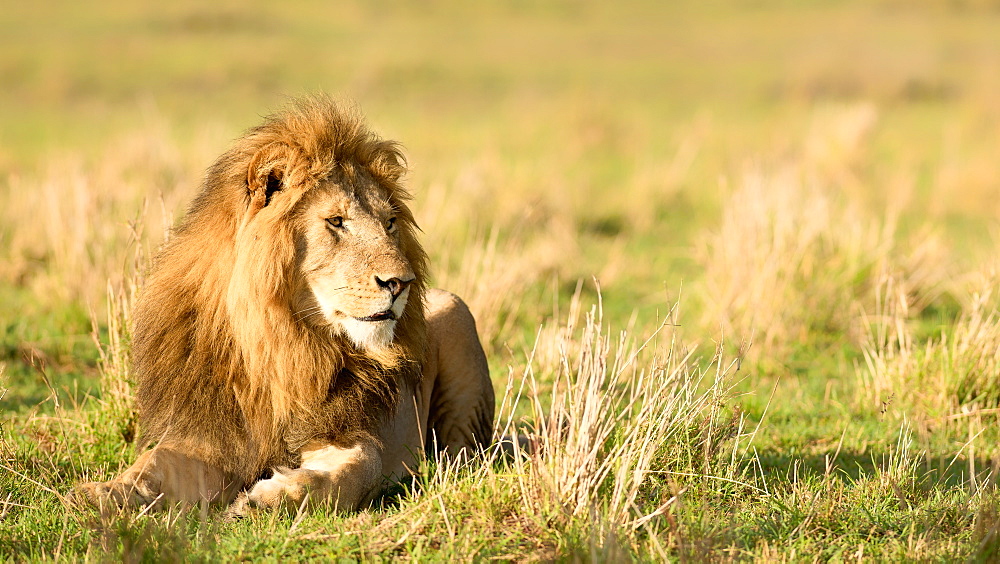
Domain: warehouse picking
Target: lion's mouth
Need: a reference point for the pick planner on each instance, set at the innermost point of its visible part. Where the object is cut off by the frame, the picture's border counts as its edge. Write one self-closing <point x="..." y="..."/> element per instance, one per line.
<point x="381" y="316"/>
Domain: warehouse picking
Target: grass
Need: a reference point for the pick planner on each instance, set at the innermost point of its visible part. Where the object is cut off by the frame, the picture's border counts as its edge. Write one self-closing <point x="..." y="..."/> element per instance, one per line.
<point x="734" y="266"/>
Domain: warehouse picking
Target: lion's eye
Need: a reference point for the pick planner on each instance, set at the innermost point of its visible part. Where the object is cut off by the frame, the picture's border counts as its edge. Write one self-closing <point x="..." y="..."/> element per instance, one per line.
<point x="335" y="221"/>
<point x="391" y="224"/>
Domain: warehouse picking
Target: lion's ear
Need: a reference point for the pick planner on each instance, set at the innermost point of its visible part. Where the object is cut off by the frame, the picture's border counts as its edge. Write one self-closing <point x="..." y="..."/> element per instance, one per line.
<point x="272" y="185"/>
<point x="266" y="174"/>
<point x="390" y="164"/>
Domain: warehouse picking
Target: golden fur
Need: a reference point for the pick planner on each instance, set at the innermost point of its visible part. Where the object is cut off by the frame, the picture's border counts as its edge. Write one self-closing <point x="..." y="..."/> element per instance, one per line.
<point x="243" y="355"/>
<point x="212" y="307"/>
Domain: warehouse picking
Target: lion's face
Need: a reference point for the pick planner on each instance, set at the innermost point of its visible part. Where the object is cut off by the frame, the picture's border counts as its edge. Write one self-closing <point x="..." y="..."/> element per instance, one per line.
<point x="355" y="271"/>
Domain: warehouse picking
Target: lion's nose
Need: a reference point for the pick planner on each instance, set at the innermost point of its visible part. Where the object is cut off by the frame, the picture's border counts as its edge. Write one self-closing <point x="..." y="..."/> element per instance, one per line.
<point x="394" y="285"/>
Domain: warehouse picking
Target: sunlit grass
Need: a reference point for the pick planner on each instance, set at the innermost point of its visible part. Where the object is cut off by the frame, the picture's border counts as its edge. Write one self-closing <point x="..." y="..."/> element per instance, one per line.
<point x="734" y="266"/>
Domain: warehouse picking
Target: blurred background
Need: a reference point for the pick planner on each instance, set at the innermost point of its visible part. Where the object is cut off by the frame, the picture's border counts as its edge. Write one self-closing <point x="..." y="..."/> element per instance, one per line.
<point x="504" y="72"/>
<point x="769" y="157"/>
<point x="818" y="177"/>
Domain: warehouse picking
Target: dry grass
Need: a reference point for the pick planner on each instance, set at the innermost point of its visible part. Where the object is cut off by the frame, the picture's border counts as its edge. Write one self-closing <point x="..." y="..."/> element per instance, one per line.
<point x="618" y="420"/>
<point x="797" y="251"/>
<point x="612" y="422"/>
<point x="786" y="258"/>
<point x="70" y="228"/>
<point x="116" y="399"/>
<point x="947" y="376"/>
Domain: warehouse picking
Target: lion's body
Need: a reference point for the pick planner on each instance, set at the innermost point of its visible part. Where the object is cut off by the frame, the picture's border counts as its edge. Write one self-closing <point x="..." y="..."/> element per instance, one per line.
<point x="286" y="324"/>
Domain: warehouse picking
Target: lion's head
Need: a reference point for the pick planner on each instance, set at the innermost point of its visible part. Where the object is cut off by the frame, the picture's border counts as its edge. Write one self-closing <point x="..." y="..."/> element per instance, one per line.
<point x="355" y="272"/>
<point x="296" y="275"/>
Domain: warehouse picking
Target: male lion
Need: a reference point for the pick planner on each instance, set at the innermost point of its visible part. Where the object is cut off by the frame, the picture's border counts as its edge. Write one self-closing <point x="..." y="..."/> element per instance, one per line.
<point x="285" y="345"/>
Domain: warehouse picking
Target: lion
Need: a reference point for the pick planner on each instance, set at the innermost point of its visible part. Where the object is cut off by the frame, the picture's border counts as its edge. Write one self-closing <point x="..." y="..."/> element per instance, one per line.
<point x="286" y="349"/>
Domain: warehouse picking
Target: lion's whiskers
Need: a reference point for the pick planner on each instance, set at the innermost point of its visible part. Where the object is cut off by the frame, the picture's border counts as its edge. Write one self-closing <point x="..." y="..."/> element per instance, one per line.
<point x="308" y="312"/>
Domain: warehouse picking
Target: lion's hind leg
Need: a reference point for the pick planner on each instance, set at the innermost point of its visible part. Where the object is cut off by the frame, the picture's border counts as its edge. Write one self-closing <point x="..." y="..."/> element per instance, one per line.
<point x="160" y="476"/>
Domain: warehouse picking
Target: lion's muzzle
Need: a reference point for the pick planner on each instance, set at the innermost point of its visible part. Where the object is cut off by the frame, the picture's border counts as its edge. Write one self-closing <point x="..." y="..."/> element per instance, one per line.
<point x="395" y="285"/>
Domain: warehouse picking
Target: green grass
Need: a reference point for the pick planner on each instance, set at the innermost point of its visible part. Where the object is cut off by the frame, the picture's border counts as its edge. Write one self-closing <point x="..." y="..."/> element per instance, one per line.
<point x="815" y="179"/>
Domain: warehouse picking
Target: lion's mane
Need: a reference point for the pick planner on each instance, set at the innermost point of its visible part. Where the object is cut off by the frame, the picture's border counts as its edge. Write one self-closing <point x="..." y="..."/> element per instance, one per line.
<point x="223" y="366"/>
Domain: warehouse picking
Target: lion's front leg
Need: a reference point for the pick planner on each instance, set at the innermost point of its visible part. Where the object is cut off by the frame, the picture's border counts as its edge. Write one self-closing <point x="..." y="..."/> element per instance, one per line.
<point x="161" y="475"/>
<point x="344" y="477"/>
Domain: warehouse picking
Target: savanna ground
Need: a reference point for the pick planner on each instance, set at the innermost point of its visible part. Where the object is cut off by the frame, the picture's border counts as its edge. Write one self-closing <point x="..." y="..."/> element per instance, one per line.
<point x="733" y="263"/>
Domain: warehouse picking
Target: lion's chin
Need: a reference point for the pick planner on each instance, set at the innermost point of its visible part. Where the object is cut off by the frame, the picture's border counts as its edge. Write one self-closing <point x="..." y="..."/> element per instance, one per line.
<point x="369" y="335"/>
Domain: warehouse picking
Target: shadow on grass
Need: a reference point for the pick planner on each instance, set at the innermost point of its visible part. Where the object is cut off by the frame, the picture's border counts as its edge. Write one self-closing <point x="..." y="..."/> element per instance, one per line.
<point x="851" y="466"/>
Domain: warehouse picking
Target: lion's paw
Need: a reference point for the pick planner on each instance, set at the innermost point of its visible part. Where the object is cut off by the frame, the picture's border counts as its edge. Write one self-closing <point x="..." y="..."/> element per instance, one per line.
<point x="280" y="490"/>
<point x="286" y="488"/>
<point x="239" y="508"/>
<point x="113" y="494"/>
<point x="88" y="493"/>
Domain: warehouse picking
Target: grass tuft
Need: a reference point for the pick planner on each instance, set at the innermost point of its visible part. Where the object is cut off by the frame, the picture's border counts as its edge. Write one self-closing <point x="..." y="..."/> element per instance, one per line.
<point x="949" y="375"/>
